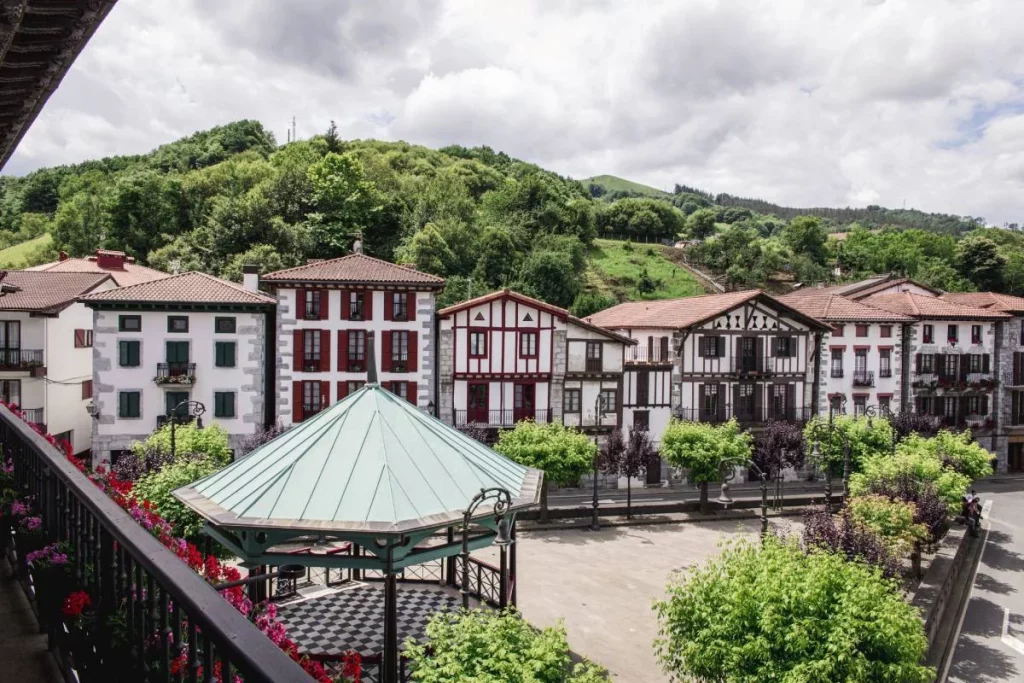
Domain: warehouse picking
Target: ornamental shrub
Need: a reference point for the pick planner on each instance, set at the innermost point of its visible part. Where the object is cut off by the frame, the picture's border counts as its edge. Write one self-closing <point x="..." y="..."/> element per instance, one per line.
<point x="155" y="488"/>
<point x="211" y="441"/>
<point x="867" y="438"/>
<point x="494" y="647"/>
<point x="856" y="542"/>
<point x="772" y="612"/>
<point x="702" y="448"/>
<point x="893" y="520"/>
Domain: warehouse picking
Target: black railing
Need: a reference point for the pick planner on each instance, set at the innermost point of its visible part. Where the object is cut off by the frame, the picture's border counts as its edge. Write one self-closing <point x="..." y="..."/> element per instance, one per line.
<point x="642" y="354"/>
<point x="311" y="409"/>
<point x="863" y="378"/>
<point x="311" y="363"/>
<point x="744" y="415"/>
<point x="484" y="581"/>
<point x="594" y="365"/>
<point x="357" y="364"/>
<point x="20" y="359"/>
<point x="165" y="609"/>
<point x="500" y="418"/>
<point x="311" y="311"/>
<point x="885" y="373"/>
<point x="175" y="373"/>
<point x="837" y="373"/>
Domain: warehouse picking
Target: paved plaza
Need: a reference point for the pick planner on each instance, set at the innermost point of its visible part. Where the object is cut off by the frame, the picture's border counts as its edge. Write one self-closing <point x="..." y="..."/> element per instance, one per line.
<point x="602" y="584"/>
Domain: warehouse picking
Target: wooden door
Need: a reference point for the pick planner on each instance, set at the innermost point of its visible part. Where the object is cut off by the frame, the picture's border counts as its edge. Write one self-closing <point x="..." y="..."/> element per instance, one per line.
<point x="524" y="407"/>
<point x="477" y="404"/>
<point x="643" y="387"/>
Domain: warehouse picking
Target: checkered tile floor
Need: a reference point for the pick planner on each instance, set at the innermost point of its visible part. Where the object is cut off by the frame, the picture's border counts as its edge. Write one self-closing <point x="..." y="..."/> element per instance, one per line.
<point x="353" y="617"/>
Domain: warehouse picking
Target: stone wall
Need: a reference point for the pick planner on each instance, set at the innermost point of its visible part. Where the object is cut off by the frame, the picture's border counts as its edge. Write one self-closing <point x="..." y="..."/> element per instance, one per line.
<point x="558" y="366"/>
<point x="446" y="370"/>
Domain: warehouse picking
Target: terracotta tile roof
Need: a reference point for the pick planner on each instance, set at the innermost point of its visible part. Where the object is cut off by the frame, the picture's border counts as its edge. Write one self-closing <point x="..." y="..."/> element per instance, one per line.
<point x="930" y="307"/>
<point x="500" y="294"/>
<point x="128" y="274"/>
<point x="355" y="268"/>
<point x="992" y="301"/>
<point x="686" y="312"/>
<point x="878" y="288"/>
<point x="192" y="287"/>
<point x="22" y="290"/>
<point x="833" y="308"/>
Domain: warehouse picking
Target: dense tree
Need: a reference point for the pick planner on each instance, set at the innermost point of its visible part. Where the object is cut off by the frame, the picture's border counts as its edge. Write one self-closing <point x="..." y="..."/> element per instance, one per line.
<point x="640" y="218"/>
<point x="775" y="613"/>
<point x="978" y="260"/>
<point x="141" y="209"/>
<point x="806" y="236"/>
<point x="564" y="453"/>
<point x="701" y="223"/>
<point x="635" y="457"/>
<point x="345" y="201"/>
<point x="80" y="225"/>
<point x="588" y="303"/>
<point x="866" y="437"/>
<point x="550" y="276"/>
<point x="496" y="264"/>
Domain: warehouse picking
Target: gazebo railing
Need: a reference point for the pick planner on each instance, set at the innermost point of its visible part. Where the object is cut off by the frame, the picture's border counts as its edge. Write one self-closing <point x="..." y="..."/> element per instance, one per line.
<point x="168" y="609"/>
<point x="484" y="581"/>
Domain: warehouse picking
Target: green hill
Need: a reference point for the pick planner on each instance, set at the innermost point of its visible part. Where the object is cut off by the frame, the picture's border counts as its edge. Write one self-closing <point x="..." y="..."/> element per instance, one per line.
<point x="612" y="183"/>
<point x="617" y="268"/>
<point x="18" y="256"/>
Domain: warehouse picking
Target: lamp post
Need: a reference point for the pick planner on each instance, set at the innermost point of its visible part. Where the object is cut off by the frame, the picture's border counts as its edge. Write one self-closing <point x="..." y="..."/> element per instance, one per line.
<point x="595" y="523"/>
<point x="502" y="504"/>
<point x="193" y="408"/>
<point x="727" y="472"/>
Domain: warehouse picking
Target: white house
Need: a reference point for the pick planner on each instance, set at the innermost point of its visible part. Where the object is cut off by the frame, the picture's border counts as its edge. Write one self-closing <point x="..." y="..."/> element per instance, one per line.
<point x="506" y="357"/>
<point x="862" y="354"/>
<point x="743" y="355"/>
<point x="327" y="311"/>
<point x="45" y="350"/>
<point x="185" y="338"/>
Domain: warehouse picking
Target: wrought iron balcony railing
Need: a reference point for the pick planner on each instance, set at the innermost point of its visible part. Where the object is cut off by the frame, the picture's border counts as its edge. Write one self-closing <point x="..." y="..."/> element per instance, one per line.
<point x="863" y="378"/>
<point x="500" y="418"/>
<point x="744" y="414"/>
<point x="171" y="610"/>
<point x="20" y="359"/>
<point x="175" y="373"/>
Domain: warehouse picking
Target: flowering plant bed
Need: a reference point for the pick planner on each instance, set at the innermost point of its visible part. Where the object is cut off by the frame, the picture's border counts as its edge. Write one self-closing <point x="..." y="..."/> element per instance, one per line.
<point x="182" y="380"/>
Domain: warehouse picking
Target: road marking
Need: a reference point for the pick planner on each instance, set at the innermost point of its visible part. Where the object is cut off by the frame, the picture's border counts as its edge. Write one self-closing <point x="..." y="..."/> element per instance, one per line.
<point x="970" y="593"/>
<point x="1008" y="640"/>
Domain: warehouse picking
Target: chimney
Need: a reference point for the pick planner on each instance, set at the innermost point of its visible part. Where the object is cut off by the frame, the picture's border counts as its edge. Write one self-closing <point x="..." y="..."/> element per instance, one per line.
<point x="251" y="278"/>
<point x="357" y="246"/>
<point x="110" y="260"/>
<point x="63" y="256"/>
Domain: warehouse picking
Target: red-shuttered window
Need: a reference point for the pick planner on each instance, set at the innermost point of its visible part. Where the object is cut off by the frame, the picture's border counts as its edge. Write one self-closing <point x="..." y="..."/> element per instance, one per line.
<point x="311" y="346"/>
<point x="405" y="390"/>
<point x="83" y="339"/>
<point x="356" y="351"/>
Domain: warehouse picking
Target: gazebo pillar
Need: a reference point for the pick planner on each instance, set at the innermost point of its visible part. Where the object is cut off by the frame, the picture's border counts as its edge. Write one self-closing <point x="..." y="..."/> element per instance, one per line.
<point x="390" y="621"/>
<point x="449" y="561"/>
<point x="512" y="564"/>
<point x="503" y="576"/>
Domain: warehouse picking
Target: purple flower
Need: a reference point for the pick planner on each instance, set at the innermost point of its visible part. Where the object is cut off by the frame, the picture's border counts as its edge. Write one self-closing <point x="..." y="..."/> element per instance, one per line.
<point x="19" y="508"/>
<point x="32" y="523"/>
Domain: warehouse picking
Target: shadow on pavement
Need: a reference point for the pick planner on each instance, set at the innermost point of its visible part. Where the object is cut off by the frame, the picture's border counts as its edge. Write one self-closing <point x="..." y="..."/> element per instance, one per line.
<point x="979" y="663"/>
<point x="992" y="585"/>
<point x="998" y="557"/>
<point x="985" y="618"/>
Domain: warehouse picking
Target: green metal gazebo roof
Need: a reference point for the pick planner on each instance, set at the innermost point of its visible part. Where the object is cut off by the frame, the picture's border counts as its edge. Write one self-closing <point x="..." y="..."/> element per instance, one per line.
<point x="370" y="464"/>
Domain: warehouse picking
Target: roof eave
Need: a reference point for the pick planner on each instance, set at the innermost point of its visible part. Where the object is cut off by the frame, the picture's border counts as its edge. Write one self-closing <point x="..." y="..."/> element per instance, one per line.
<point x="431" y="286"/>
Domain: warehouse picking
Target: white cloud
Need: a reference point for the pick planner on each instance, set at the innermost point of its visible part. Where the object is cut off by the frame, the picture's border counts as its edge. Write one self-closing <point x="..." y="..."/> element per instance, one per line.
<point x="802" y="102"/>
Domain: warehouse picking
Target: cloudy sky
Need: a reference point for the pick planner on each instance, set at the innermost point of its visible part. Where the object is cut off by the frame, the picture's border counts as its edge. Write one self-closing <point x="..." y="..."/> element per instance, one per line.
<point x="801" y="102"/>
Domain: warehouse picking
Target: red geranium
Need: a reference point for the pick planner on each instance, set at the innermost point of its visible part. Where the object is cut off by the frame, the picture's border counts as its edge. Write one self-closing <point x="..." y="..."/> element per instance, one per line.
<point x="75" y="604"/>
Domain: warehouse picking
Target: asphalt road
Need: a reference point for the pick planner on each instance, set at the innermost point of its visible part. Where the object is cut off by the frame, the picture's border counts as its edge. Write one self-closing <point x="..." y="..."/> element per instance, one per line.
<point x="990" y="645"/>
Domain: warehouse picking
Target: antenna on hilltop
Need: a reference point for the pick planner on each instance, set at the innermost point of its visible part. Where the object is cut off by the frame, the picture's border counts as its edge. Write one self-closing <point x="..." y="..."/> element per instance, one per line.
<point x="294" y="138"/>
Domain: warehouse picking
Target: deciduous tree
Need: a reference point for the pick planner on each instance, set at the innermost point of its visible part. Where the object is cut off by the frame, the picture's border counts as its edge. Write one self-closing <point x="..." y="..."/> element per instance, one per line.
<point x="702" y="448"/>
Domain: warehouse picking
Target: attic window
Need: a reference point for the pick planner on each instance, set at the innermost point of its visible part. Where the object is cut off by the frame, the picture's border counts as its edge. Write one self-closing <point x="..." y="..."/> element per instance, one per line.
<point x="479" y="316"/>
<point x="527" y="318"/>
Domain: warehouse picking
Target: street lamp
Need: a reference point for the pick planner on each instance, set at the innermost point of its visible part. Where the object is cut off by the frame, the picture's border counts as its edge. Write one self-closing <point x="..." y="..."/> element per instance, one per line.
<point x="727" y="472"/>
<point x="595" y="523"/>
<point x="503" y="537"/>
<point x="193" y="408"/>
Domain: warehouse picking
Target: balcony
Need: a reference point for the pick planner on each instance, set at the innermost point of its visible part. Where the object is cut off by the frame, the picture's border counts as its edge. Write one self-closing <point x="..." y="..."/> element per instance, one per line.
<point x="863" y="378"/>
<point x="593" y="365"/>
<point x="885" y="373"/>
<point x="745" y="415"/>
<point x="34" y="416"/>
<point x="500" y="418"/>
<point x="753" y="365"/>
<point x="642" y="354"/>
<point x="837" y="373"/>
<point x="311" y="409"/>
<point x="310" y="364"/>
<point x="176" y="374"/>
<point x="21" y="359"/>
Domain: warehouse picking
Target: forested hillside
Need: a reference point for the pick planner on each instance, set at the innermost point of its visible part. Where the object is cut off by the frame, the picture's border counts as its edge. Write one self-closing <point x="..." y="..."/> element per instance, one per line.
<point x="231" y="195"/>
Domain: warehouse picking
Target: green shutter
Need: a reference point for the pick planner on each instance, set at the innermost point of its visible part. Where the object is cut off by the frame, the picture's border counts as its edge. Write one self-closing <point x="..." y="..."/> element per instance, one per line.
<point x="128" y="354"/>
<point x="224" y="404"/>
<point x="128" y="404"/>
<point x="177" y="352"/>
<point x="225" y="354"/>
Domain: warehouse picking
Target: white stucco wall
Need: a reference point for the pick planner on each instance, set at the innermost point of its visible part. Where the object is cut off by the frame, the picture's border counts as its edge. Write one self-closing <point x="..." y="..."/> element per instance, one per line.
<point x="873" y="343"/>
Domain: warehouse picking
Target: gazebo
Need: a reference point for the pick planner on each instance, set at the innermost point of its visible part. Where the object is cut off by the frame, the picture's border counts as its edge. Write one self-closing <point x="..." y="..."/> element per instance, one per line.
<point x="372" y="471"/>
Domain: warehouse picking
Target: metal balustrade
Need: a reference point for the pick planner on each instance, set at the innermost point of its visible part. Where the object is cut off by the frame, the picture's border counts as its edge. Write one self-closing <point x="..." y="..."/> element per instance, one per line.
<point x="500" y="418"/>
<point x="20" y="359"/>
<point x="175" y="373"/>
<point x="863" y="378"/>
<point x="165" y="608"/>
<point x="744" y="414"/>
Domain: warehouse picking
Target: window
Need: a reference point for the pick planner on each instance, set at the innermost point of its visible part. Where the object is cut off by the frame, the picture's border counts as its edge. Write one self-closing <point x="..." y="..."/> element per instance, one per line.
<point x="87" y="389"/>
<point x="884" y="404"/>
<point x="400" y="389"/>
<point x="927" y="363"/>
<point x="400" y="306"/>
<point x="67" y="437"/>
<point x="860" y="404"/>
<point x="709" y="346"/>
<point x="129" y="323"/>
<point x="357" y="305"/>
<point x="477" y="344"/>
<point x="83" y="339"/>
<point x="594" y="356"/>
<point x="837" y="362"/>
<point x="399" y="351"/>
<point x="224" y="354"/>
<point x="928" y="334"/>
<point x="745" y="409"/>
<point x="311" y="404"/>
<point x="837" y="330"/>
<point x="1017" y="408"/>
<point x="608" y="400"/>
<point x="975" y="362"/>
<point x="571" y="401"/>
<point x="352" y="386"/>
<point x="10" y="391"/>
<point x="527" y="344"/>
<point x="860" y="360"/>
<point x="835" y="404"/>
<point x="885" y="362"/>
<point x="711" y="404"/>
<point x="973" y="404"/>
<point x="778" y="393"/>
<point x="128" y="404"/>
<point x="311" y="351"/>
<point x="177" y="353"/>
<point x="862" y="330"/>
<point x="664" y="350"/>
<point x="784" y="346"/>
<point x="129" y="353"/>
<point x="975" y="334"/>
<point x="948" y="406"/>
<point x="950" y="365"/>
<point x="311" y="305"/>
<point x="177" y="323"/>
<point x="356" y="350"/>
<point x="224" y="325"/>
<point x="885" y="331"/>
<point x="953" y="334"/>
<point x="223" y="404"/>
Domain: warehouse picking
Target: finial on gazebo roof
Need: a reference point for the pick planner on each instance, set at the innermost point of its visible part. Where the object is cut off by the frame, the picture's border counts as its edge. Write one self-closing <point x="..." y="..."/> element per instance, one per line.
<point x="371" y="359"/>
